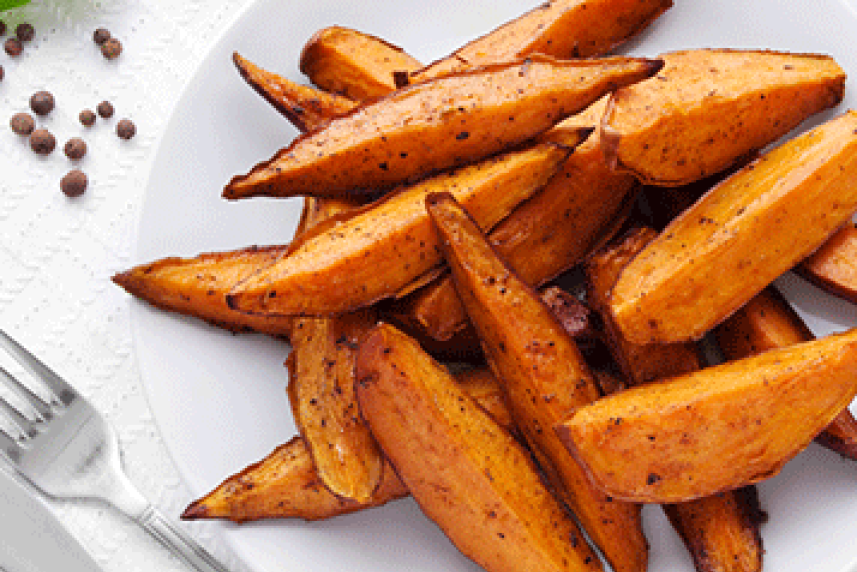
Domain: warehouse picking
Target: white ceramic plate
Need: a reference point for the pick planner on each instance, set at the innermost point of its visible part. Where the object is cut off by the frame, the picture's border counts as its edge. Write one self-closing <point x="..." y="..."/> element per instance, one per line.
<point x="219" y="399"/>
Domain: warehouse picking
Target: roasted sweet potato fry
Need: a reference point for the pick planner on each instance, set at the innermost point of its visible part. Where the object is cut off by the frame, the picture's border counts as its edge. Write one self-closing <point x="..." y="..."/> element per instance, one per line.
<point x="833" y="267"/>
<point x="639" y="363"/>
<point x="542" y="373"/>
<point x="716" y="429"/>
<point x="286" y="484"/>
<point x="708" y="108"/>
<point x="306" y="107"/>
<point x="717" y="530"/>
<point x="545" y="235"/>
<point x="467" y="473"/>
<point x="558" y="28"/>
<point x="381" y="249"/>
<point x="357" y="65"/>
<point x="740" y="236"/>
<point x="198" y="286"/>
<point x="437" y="124"/>
<point x="768" y="322"/>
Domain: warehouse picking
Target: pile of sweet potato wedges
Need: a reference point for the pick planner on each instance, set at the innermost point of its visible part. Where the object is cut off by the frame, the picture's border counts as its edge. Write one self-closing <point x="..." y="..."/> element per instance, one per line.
<point x="442" y="201"/>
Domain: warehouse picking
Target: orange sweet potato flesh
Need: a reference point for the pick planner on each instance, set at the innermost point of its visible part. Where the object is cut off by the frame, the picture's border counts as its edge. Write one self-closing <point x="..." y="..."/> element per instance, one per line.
<point x="767" y="322"/>
<point x="740" y="236"/>
<point x="718" y="530"/>
<point x="707" y="108"/>
<point x="436" y="125"/>
<point x="350" y="63"/>
<point x="558" y="28"/>
<point x="306" y="107"/>
<point x="375" y="253"/>
<point x="545" y="235"/>
<point x="198" y="286"/>
<point x="833" y="267"/>
<point x="286" y="484"/>
<point x="468" y="474"/>
<point x="716" y="429"/>
<point x="542" y="373"/>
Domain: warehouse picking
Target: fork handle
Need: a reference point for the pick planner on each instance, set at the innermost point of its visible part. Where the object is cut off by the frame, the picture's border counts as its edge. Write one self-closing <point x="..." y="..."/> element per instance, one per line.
<point x="178" y="541"/>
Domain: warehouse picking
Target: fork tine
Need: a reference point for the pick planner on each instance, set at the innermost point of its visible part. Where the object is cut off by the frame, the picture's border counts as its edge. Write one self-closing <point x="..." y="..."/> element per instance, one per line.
<point x="24" y="425"/>
<point x="62" y="391"/>
<point x="42" y="409"/>
<point x="9" y="447"/>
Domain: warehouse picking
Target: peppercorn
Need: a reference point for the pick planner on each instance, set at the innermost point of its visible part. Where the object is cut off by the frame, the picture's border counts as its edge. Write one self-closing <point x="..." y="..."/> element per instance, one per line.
<point x="105" y="109"/>
<point x="87" y="117"/>
<point x="100" y="35"/>
<point x="73" y="184"/>
<point x="42" y="141"/>
<point x="42" y="102"/>
<point x="126" y="129"/>
<point x="75" y="148"/>
<point x="2" y="28"/>
<point x="1" y="73"/>
<point x="22" y="123"/>
<point x="13" y="47"/>
<point x="111" y="48"/>
<point x="25" y="32"/>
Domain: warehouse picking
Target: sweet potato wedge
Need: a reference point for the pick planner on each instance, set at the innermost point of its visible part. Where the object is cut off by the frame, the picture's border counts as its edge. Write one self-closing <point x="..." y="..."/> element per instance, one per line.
<point x="716" y="429"/>
<point x="381" y="249"/>
<point x="306" y="107"/>
<point x="707" y="108"/>
<point x="545" y="235"/>
<point x="350" y="63"/>
<point x="639" y="363"/>
<point x="768" y="322"/>
<point x="559" y="28"/>
<point x="467" y="473"/>
<point x="833" y="267"/>
<point x="198" y="286"/>
<point x="740" y="236"/>
<point x="436" y="125"/>
<point x="285" y="484"/>
<point x="542" y="373"/>
<point x="717" y="530"/>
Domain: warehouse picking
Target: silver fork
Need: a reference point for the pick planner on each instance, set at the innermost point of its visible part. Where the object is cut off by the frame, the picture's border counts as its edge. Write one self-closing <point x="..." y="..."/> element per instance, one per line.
<point x="68" y="450"/>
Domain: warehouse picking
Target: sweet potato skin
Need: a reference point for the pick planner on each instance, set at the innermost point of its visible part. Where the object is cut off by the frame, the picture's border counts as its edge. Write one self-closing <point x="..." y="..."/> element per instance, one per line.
<point x="437" y="124"/>
<point x="768" y="322"/>
<point x="391" y="243"/>
<point x="559" y="28"/>
<point x="740" y="236"/>
<point x="197" y="287"/>
<point x="716" y="429"/>
<point x="466" y="473"/>
<point x="306" y="107"/>
<point x="547" y="234"/>
<point x="707" y="108"/>
<point x="350" y="63"/>
<point x="833" y="267"/>
<point x="542" y="373"/>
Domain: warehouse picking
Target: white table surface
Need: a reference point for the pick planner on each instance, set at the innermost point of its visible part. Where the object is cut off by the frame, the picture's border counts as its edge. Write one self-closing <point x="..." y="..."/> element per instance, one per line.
<point x="57" y="254"/>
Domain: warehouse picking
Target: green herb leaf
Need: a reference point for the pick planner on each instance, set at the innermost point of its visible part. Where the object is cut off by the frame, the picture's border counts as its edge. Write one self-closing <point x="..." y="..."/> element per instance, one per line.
<point x="8" y="4"/>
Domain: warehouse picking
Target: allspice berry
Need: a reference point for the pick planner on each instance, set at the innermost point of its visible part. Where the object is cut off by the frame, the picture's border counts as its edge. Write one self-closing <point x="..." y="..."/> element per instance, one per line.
<point x="75" y="148"/>
<point x="25" y="32"/>
<point x="101" y="35"/>
<point x="2" y="28"/>
<point x="42" y="102"/>
<point x="87" y="117"/>
<point x="13" y="47"/>
<point x="22" y="123"/>
<point x="126" y="129"/>
<point x="2" y="73"/>
<point x="105" y="109"/>
<point x="111" y="48"/>
<point x="42" y="141"/>
<point x="73" y="184"/>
